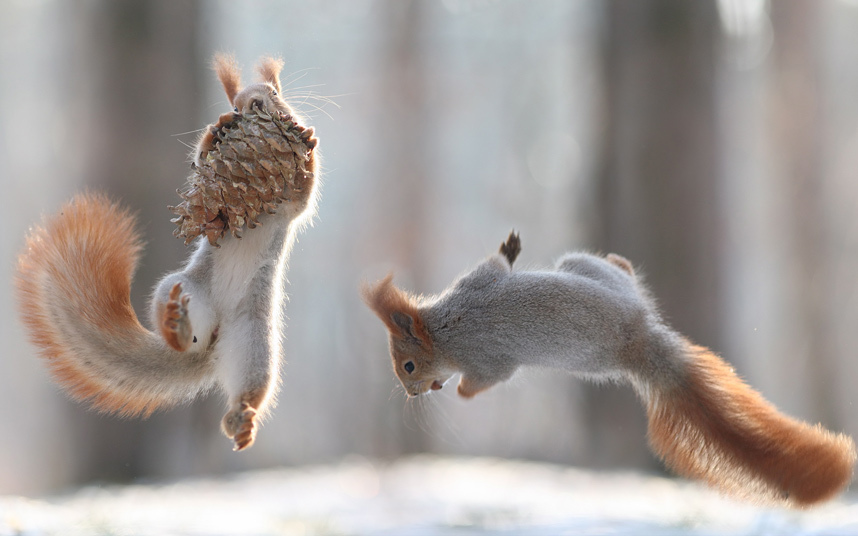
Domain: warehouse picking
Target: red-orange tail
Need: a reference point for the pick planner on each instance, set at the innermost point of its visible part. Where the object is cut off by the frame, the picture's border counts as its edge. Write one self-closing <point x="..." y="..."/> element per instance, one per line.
<point x="73" y="287"/>
<point x="710" y="425"/>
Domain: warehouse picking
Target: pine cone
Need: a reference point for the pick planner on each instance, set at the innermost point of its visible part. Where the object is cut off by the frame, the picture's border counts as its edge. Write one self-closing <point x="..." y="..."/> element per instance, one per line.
<point x="260" y="161"/>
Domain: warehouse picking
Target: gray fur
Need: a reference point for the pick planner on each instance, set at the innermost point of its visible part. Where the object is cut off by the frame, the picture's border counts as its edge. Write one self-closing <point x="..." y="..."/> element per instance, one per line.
<point x="237" y="292"/>
<point x="587" y="316"/>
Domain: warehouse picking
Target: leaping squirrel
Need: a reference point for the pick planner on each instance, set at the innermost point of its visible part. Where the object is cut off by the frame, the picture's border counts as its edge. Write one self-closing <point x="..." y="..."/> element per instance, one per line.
<point x="218" y="320"/>
<point x="593" y="317"/>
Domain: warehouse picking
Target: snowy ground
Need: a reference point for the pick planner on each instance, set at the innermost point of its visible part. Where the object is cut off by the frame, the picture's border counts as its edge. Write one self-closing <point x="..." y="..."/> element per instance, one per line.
<point x="420" y="496"/>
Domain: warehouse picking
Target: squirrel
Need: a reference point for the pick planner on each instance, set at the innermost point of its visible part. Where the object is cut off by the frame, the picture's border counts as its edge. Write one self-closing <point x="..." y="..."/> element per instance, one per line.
<point x="218" y="320"/>
<point x="592" y="316"/>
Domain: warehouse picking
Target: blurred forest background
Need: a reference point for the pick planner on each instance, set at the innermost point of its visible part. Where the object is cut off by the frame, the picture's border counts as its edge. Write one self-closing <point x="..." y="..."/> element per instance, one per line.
<point x="715" y="144"/>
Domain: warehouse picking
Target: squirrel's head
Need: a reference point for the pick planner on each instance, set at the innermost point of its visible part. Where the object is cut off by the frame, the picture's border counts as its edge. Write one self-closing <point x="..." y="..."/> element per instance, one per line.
<point x="265" y="94"/>
<point x="411" y="347"/>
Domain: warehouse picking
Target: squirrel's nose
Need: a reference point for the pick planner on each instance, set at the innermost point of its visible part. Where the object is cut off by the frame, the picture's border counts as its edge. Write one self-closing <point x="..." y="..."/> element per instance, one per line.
<point x="256" y="102"/>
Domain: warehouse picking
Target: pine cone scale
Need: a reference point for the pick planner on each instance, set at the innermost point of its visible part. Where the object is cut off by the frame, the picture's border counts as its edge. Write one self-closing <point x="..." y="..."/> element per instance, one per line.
<point x="260" y="161"/>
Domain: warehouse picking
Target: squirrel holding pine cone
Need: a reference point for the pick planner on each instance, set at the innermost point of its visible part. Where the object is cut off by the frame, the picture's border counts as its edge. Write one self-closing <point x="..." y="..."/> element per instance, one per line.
<point x="218" y="321"/>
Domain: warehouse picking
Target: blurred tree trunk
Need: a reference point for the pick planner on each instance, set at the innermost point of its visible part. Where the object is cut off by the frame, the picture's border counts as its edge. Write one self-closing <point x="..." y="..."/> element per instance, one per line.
<point x="659" y="204"/>
<point x="774" y="139"/>
<point x="402" y="201"/>
<point x="836" y="29"/>
<point x="798" y="132"/>
<point x="142" y="103"/>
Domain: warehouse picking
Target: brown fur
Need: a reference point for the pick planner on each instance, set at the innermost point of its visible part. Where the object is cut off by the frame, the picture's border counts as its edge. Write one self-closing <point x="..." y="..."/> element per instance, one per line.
<point x="229" y="75"/>
<point x="269" y="69"/>
<point x="384" y="299"/>
<point x="716" y="428"/>
<point x="112" y="249"/>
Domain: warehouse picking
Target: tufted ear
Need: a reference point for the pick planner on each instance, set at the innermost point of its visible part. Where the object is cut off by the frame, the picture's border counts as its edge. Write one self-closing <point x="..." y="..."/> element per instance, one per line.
<point x="269" y="69"/>
<point x="228" y="73"/>
<point x="397" y="310"/>
<point x="406" y="325"/>
<point x="511" y="248"/>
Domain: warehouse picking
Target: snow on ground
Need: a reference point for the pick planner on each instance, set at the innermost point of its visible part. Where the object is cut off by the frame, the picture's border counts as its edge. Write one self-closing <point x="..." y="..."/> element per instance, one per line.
<point x="420" y="496"/>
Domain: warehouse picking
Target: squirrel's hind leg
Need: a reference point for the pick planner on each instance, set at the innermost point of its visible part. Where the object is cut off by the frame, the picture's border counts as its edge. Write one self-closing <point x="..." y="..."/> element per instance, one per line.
<point x="174" y="324"/>
<point x="613" y="271"/>
<point x="620" y="262"/>
<point x="181" y="313"/>
<point x="249" y="349"/>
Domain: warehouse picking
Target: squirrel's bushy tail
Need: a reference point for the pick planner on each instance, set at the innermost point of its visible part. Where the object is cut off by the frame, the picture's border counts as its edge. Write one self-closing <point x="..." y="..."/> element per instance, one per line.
<point x="73" y="287"/>
<point x="707" y="424"/>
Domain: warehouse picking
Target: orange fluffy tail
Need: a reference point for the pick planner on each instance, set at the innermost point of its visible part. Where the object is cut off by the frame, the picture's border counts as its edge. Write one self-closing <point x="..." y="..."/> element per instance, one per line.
<point x="73" y="287"/>
<point x="710" y="425"/>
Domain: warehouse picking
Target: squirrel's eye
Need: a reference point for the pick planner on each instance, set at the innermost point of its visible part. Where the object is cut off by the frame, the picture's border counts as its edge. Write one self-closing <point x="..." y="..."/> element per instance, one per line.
<point x="409" y="367"/>
<point x="274" y="92"/>
<point x="235" y="108"/>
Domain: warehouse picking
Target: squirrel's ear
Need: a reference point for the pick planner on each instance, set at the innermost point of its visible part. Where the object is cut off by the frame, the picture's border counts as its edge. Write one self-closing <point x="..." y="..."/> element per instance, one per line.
<point x="511" y="248"/>
<point x="405" y="323"/>
<point x="269" y="69"/>
<point x="397" y="310"/>
<point x="228" y="73"/>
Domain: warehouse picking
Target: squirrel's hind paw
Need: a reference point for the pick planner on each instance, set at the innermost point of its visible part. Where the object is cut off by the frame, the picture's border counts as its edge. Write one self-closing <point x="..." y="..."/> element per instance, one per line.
<point x="621" y="262"/>
<point x="240" y="426"/>
<point x="175" y="324"/>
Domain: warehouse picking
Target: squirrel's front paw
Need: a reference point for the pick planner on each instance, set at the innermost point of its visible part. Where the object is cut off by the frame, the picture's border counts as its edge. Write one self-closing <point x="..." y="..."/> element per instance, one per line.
<point x="175" y="324"/>
<point x="240" y="426"/>
<point x="302" y="183"/>
<point x="214" y="134"/>
<point x="469" y="387"/>
<point x="223" y="122"/>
